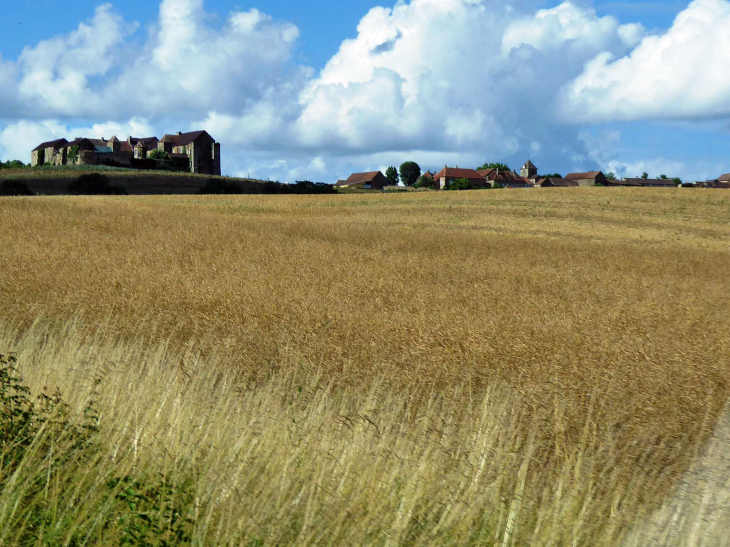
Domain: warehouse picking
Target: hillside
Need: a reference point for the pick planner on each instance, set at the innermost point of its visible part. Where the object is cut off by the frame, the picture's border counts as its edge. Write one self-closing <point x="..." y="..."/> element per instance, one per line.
<point x="547" y="367"/>
<point x="55" y="181"/>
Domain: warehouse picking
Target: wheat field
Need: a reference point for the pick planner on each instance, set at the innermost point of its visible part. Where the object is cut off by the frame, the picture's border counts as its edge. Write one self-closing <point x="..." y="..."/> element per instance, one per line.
<point x="543" y="367"/>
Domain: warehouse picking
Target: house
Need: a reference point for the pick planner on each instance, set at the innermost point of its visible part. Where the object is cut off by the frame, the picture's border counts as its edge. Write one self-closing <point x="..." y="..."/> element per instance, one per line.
<point x="448" y="175"/>
<point x="555" y="182"/>
<point x="719" y="183"/>
<point x="197" y="149"/>
<point x="646" y="183"/>
<point x="505" y="179"/>
<point x="44" y="153"/>
<point x="592" y="178"/>
<point x="372" y="180"/>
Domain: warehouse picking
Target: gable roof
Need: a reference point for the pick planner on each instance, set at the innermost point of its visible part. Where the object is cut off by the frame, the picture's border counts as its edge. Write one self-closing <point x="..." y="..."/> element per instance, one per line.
<point x="183" y="139"/>
<point x="725" y="178"/>
<point x="485" y="172"/>
<point x="457" y="173"/>
<point x="583" y="176"/>
<point x="558" y="182"/>
<point x="650" y="182"/>
<point x="58" y="143"/>
<point x="360" y="178"/>
<point x="529" y="165"/>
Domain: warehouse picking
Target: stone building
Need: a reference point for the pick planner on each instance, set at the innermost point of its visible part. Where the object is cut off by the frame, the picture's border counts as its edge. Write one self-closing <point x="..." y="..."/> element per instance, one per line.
<point x="448" y="175"/>
<point x="45" y="152"/>
<point x="529" y="171"/>
<point x="373" y="180"/>
<point x="593" y="178"/>
<point x="197" y="149"/>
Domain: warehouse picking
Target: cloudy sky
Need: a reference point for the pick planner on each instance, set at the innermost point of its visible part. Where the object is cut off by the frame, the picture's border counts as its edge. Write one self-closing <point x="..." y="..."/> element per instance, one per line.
<point x="316" y="90"/>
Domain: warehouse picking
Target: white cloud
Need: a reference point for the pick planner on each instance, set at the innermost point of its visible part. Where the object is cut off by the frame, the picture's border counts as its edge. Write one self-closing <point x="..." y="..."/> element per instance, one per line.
<point x="681" y="74"/>
<point x="18" y="139"/>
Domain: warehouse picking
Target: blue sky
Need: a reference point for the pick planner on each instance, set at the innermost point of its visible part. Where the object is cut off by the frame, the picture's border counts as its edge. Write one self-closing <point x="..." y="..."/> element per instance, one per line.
<point x="316" y="90"/>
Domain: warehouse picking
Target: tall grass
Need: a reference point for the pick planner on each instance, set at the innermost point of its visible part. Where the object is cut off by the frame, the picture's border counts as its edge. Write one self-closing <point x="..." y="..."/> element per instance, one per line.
<point x="187" y="450"/>
<point x="501" y="368"/>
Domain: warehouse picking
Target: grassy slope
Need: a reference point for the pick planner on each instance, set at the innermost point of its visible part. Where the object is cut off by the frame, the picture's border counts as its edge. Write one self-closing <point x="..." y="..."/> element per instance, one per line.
<point x="413" y="354"/>
<point x="54" y="182"/>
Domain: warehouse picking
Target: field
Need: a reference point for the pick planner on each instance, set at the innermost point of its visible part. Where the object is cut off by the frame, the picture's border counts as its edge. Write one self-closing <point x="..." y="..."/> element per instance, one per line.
<point x="545" y="367"/>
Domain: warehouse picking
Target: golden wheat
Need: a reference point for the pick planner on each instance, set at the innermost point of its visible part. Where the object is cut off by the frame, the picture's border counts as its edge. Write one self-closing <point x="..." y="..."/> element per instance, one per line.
<point x="601" y="314"/>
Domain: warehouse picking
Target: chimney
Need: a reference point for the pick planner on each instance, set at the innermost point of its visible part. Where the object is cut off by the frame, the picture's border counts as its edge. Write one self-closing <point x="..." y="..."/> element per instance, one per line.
<point x="179" y="133"/>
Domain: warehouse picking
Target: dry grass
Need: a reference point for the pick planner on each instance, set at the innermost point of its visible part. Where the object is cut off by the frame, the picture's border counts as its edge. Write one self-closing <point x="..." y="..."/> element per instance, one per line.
<point x="583" y="329"/>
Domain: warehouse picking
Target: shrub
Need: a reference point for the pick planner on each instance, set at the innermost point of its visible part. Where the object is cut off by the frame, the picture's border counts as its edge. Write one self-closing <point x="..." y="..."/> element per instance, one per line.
<point x="221" y="186"/>
<point x="459" y="184"/>
<point x="158" y="155"/>
<point x="95" y="184"/>
<point x="13" y="164"/>
<point x="15" y="188"/>
<point x="424" y="181"/>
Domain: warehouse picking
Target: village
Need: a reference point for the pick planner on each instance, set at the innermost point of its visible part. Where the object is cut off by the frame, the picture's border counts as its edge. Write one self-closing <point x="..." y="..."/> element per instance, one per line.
<point x="456" y="178"/>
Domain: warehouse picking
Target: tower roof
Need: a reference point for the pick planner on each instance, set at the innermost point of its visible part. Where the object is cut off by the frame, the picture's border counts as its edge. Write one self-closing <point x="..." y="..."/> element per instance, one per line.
<point x="529" y="165"/>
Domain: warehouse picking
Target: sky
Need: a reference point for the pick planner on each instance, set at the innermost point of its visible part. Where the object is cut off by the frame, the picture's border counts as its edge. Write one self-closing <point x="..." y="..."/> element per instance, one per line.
<point x="318" y="90"/>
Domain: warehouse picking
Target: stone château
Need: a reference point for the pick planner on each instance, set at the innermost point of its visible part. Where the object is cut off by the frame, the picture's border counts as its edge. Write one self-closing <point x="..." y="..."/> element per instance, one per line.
<point x="196" y="150"/>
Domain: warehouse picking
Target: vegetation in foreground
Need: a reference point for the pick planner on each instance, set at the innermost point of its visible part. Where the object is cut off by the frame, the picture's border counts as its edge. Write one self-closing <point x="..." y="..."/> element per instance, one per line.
<point x="468" y="367"/>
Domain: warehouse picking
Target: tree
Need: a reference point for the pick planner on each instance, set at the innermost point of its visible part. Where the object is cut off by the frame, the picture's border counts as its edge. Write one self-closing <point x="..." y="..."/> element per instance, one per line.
<point x="73" y="154"/>
<point x="645" y="175"/>
<point x="424" y="181"/>
<point x="459" y="184"/>
<point x="677" y="181"/>
<point x="553" y="176"/>
<point x="158" y="154"/>
<point x="391" y="173"/>
<point x="611" y="176"/>
<point x="500" y="166"/>
<point x="12" y="164"/>
<point x="409" y="173"/>
<point x="663" y="177"/>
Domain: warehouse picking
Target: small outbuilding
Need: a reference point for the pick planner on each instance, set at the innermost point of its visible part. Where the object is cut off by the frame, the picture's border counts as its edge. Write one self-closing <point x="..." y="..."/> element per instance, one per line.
<point x="591" y="178"/>
<point x="372" y="180"/>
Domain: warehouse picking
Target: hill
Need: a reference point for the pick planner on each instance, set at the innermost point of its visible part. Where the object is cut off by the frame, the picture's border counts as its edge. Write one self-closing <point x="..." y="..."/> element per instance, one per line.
<point x="55" y="181"/>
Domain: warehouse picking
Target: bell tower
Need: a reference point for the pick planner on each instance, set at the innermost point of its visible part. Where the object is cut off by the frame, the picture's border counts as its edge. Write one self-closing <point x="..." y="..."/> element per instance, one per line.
<point x="528" y="170"/>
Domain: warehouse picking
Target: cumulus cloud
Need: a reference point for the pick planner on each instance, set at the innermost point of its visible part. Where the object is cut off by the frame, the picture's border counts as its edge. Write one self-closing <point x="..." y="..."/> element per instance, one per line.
<point x="681" y="74"/>
<point x="457" y="81"/>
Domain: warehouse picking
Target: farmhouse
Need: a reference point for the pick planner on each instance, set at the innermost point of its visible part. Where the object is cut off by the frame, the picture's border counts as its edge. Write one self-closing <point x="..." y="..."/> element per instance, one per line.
<point x="556" y="182"/>
<point x="448" y="175"/>
<point x="592" y="178"/>
<point x="374" y="180"/>
<point x="196" y="150"/>
<point x="643" y="183"/>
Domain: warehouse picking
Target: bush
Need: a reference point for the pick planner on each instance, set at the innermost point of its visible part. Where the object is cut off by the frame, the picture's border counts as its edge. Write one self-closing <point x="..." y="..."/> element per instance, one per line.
<point x="300" y="187"/>
<point x="15" y="188"/>
<point x="158" y="155"/>
<point x="43" y="443"/>
<point x="221" y="186"/>
<point x="459" y="184"/>
<point x="95" y="184"/>
<point x="424" y="181"/>
<point x="12" y="164"/>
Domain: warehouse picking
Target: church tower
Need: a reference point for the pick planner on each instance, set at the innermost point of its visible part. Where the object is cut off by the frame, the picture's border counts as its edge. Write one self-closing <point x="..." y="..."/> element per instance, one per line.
<point x="528" y="170"/>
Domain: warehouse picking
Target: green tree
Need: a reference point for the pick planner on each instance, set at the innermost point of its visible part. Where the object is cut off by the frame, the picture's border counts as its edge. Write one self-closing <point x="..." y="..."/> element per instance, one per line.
<point x="500" y="166"/>
<point x="677" y="181"/>
<point x="158" y="155"/>
<point x="663" y="177"/>
<point x="409" y="173"/>
<point x="553" y="176"/>
<point x="645" y="175"/>
<point x="73" y="154"/>
<point x="424" y="181"/>
<point x="611" y="176"/>
<point x="391" y="173"/>
<point x="459" y="184"/>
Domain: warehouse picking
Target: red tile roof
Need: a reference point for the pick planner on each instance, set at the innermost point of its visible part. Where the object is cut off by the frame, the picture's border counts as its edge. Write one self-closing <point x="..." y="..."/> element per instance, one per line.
<point x="360" y="178"/>
<point x="457" y="173"/>
<point x="582" y="176"/>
